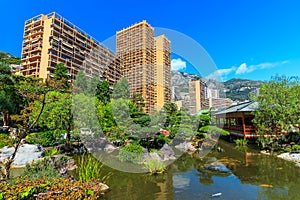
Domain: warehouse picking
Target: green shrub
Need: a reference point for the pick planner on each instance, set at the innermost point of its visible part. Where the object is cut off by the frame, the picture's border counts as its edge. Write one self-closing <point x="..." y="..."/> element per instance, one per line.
<point x="40" y="169"/>
<point x="213" y="130"/>
<point x="57" y="188"/>
<point x="46" y="138"/>
<point x="5" y="140"/>
<point x="241" y="142"/>
<point x="131" y="153"/>
<point x="52" y="151"/>
<point x="91" y="169"/>
<point x="287" y="149"/>
<point x="155" y="166"/>
<point x="296" y="147"/>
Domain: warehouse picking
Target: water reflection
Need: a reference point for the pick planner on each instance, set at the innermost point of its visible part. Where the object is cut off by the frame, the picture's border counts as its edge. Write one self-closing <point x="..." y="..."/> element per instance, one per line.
<point x="253" y="176"/>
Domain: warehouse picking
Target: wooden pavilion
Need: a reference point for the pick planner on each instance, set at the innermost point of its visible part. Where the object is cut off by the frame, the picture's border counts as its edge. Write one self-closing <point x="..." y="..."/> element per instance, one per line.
<point x="237" y="119"/>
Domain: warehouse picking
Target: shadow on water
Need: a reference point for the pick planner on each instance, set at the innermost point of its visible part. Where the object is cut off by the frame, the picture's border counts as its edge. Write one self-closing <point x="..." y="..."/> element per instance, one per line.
<point x="252" y="176"/>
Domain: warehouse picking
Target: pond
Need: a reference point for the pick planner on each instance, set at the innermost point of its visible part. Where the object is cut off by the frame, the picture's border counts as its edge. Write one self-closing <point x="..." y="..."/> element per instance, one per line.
<point x="253" y="176"/>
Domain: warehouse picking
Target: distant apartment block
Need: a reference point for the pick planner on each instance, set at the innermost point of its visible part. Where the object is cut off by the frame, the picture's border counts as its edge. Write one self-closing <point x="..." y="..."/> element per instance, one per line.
<point x="212" y="93"/>
<point x="162" y="70"/>
<point x="197" y="94"/>
<point x="219" y="102"/>
<point x="50" y="39"/>
<point x="145" y="63"/>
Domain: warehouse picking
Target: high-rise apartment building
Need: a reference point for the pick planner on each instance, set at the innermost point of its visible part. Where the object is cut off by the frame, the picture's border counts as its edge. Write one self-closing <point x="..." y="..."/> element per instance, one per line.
<point x="51" y="39"/>
<point x="162" y="71"/>
<point x="145" y="64"/>
<point x="197" y="94"/>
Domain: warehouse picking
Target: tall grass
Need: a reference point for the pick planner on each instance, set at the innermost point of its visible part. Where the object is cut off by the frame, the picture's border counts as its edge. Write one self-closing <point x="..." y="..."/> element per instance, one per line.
<point x="155" y="166"/>
<point x="91" y="169"/>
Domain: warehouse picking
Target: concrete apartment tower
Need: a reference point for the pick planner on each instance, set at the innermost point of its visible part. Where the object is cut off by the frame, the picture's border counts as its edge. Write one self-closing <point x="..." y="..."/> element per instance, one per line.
<point x="50" y="39"/>
<point x="135" y="49"/>
<point x="197" y="93"/>
<point x="163" y="71"/>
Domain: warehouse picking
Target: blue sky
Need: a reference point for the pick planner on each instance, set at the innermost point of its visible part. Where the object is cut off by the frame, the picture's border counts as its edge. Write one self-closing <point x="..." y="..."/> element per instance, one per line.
<point x="245" y="38"/>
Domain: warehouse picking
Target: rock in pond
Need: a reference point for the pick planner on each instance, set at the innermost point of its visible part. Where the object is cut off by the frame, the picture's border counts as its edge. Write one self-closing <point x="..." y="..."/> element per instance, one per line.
<point x="217" y="167"/>
<point x="186" y="146"/>
<point x="26" y="153"/>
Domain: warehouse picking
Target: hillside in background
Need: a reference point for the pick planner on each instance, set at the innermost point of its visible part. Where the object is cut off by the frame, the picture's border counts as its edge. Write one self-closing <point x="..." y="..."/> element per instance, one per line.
<point x="235" y="89"/>
<point x="8" y="58"/>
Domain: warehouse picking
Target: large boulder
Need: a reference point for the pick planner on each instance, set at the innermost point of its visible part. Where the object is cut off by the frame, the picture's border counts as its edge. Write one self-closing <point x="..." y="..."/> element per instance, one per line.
<point x="167" y="153"/>
<point x="26" y="153"/>
<point x="186" y="146"/>
<point x="217" y="167"/>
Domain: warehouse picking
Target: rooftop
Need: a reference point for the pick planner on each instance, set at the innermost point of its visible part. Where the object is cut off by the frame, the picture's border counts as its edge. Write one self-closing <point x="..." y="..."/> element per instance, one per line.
<point x="247" y="106"/>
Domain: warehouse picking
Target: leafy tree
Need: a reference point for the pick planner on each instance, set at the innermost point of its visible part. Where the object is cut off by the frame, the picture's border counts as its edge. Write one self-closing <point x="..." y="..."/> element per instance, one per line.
<point x="121" y="112"/>
<point x="84" y="111"/>
<point x="92" y="85"/>
<point x="106" y="118"/>
<point x="121" y="89"/>
<point x="32" y="89"/>
<point x="10" y="100"/>
<point x="139" y="101"/>
<point x="103" y="92"/>
<point x="57" y="113"/>
<point x="81" y="83"/>
<point x="279" y="105"/>
<point x="61" y="72"/>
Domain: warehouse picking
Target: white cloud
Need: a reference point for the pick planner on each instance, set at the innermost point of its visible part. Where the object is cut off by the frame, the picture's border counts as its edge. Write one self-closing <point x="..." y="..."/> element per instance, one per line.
<point x="220" y="73"/>
<point x="244" y="69"/>
<point x="178" y="64"/>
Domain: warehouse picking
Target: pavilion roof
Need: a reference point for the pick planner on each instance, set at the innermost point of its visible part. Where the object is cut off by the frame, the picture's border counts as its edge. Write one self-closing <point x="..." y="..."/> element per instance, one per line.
<point x="247" y="106"/>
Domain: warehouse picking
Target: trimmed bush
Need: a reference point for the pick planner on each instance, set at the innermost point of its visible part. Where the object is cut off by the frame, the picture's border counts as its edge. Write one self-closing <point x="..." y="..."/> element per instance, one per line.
<point x="131" y="153"/>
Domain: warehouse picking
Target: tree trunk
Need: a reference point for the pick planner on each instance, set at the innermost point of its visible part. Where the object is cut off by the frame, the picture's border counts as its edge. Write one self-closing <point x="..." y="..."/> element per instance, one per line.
<point x="5" y="117"/>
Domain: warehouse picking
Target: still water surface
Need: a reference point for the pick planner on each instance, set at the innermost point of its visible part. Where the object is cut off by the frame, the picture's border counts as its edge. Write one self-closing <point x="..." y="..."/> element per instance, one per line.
<point x="253" y="176"/>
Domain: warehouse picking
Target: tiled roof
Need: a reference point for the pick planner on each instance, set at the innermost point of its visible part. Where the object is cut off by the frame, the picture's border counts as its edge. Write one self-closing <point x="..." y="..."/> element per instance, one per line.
<point x="248" y="106"/>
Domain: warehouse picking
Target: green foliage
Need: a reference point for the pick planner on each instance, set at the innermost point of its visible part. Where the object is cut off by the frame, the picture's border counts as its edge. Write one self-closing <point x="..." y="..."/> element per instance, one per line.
<point x="5" y="140"/>
<point x="80" y="84"/>
<point x="103" y="92"/>
<point x="296" y="147"/>
<point x="154" y="166"/>
<point x="213" y="130"/>
<point x="57" y="188"/>
<point x="121" y="89"/>
<point x="61" y="72"/>
<point x="9" y="59"/>
<point x="121" y="112"/>
<point x="139" y="101"/>
<point x="41" y="168"/>
<point x="57" y="112"/>
<point x="293" y="137"/>
<point x="46" y="138"/>
<point x="105" y="118"/>
<point x="241" y="142"/>
<point x="131" y="153"/>
<point x="91" y="169"/>
<point x="279" y="105"/>
<point x="51" y="152"/>
<point x="84" y="111"/>
<point x="141" y="118"/>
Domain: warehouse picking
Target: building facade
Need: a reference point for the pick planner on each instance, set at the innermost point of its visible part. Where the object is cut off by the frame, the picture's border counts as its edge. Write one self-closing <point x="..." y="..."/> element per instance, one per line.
<point x="219" y="102"/>
<point x="50" y="39"/>
<point x="146" y="64"/>
<point x="163" y="71"/>
<point x="197" y="94"/>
